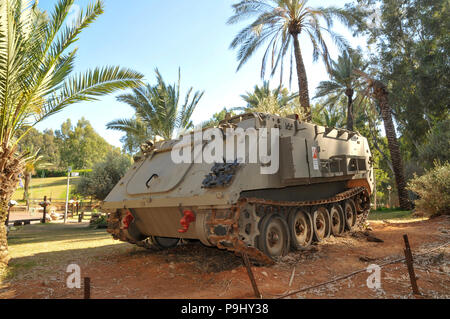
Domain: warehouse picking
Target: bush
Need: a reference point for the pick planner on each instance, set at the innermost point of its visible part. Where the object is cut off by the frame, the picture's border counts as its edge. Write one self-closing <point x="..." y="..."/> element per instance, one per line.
<point x="104" y="176"/>
<point x="50" y="173"/>
<point x="433" y="189"/>
<point x="99" y="221"/>
<point x="59" y="172"/>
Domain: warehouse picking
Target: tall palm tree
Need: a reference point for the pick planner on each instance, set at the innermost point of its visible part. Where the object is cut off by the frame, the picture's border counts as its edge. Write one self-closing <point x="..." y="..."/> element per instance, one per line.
<point x="158" y="110"/>
<point x="36" y="60"/>
<point x="265" y="100"/>
<point x="343" y="82"/>
<point x="280" y="24"/>
<point x="379" y="92"/>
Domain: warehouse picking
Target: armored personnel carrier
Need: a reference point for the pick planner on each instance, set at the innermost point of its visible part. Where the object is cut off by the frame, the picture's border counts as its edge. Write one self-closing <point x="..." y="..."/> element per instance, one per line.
<point x="315" y="183"/>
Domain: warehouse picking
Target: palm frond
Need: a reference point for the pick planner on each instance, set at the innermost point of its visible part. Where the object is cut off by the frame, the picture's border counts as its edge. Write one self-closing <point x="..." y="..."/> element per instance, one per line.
<point x="327" y="87"/>
<point x="90" y="86"/>
<point x="132" y="126"/>
<point x="247" y="8"/>
<point x="36" y="63"/>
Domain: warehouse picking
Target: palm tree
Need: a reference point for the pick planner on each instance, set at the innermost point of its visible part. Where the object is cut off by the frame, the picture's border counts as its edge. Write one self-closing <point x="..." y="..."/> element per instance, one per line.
<point x="158" y="110"/>
<point x="36" y="59"/>
<point x="263" y="99"/>
<point x="379" y="92"/>
<point x="280" y="23"/>
<point x="343" y="82"/>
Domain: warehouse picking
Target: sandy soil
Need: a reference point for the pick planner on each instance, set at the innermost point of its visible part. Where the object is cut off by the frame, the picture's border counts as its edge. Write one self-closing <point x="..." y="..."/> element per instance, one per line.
<point x="195" y="271"/>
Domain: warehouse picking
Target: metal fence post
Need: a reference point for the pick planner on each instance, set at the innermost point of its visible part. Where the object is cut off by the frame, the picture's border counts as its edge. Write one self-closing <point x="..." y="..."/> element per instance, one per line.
<point x="410" y="265"/>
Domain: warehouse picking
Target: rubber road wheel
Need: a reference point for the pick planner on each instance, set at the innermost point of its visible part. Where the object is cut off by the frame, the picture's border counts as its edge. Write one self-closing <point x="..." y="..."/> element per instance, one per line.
<point x="321" y="224"/>
<point x="300" y="228"/>
<point x="337" y="220"/>
<point x="350" y="214"/>
<point x="274" y="236"/>
<point x="165" y="242"/>
<point x="134" y="232"/>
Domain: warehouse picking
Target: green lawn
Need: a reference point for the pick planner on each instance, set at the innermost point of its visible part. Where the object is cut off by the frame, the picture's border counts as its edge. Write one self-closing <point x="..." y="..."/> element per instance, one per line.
<point x="38" y="249"/>
<point x="54" y="187"/>
<point x="390" y="214"/>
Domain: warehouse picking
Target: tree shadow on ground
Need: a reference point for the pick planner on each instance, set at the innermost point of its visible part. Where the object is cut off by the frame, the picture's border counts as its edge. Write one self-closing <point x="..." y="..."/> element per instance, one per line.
<point x="199" y="258"/>
<point x="41" y="249"/>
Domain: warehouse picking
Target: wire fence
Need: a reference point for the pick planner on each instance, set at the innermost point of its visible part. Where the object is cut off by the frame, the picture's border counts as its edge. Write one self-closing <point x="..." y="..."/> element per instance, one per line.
<point x="342" y="277"/>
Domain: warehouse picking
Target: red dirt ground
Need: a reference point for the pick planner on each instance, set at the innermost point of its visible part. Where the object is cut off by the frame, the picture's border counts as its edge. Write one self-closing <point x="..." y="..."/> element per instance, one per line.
<point x="195" y="271"/>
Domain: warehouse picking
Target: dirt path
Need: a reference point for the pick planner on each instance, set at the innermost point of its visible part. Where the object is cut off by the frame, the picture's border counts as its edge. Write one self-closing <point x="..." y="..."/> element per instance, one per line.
<point x="194" y="271"/>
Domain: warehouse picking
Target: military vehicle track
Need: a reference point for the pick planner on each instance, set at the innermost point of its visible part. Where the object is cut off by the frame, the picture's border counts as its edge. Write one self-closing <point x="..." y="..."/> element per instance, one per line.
<point x="264" y="229"/>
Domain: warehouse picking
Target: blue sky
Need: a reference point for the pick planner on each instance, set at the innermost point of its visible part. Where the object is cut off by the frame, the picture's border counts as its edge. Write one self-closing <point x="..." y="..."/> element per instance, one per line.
<point x="167" y="34"/>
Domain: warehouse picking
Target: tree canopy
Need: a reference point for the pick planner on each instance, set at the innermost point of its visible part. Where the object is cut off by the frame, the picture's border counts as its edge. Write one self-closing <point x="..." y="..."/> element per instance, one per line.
<point x="411" y="42"/>
<point x="80" y="146"/>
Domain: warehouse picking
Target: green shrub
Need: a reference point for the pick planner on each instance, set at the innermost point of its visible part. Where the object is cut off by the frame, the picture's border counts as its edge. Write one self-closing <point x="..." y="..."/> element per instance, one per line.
<point x="50" y="173"/>
<point x="433" y="189"/>
<point x="104" y="176"/>
<point x="99" y="221"/>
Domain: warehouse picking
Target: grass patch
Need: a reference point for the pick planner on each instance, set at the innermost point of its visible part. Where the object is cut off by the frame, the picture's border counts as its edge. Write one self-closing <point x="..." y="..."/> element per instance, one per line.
<point x="13" y="270"/>
<point x="54" y="187"/>
<point x="390" y="214"/>
<point x="43" y="248"/>
<point x="35" y="239"/>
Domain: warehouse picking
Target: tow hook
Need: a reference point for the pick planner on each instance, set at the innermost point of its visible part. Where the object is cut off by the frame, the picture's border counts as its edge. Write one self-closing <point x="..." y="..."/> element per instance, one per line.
<point x="187" y="219"/>
<point x="126" y="221"/>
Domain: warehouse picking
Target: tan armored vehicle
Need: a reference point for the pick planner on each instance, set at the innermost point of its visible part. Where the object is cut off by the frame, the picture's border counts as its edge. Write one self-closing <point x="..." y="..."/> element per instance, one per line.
<point x="277" y="184"/>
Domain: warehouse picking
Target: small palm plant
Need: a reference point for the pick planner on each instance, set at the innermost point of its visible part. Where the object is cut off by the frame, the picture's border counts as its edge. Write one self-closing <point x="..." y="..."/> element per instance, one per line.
<point x="36" y="61"/>
<point x="279" y="24"/>
<point x="157" y="110"/>
<point x="265" y="100"/>
<point x="33" y="162"/>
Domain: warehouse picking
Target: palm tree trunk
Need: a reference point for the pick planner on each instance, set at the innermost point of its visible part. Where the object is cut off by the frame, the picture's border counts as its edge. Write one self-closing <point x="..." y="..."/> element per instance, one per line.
<point x="349" y="93"/>
<point x="302" y="79"/>
<point x="4" y="255"/>
<point x="374" y="192"/>
<point x="380" y="93"/>
<point x="10" y="168"/>
<point x="26" y="186"/>
<point x="27" y="189"/>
